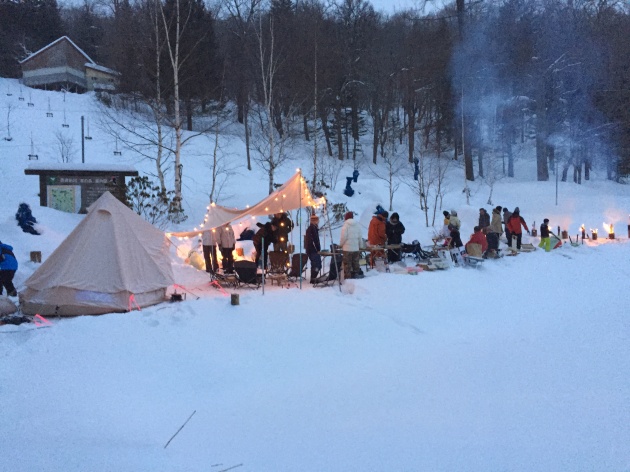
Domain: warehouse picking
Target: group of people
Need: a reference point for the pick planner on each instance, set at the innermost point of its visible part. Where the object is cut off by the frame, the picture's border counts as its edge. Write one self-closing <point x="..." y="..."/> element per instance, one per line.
<point x="490" y="227"/>
<point x="382" y="230"/>
<point x="222" y="238"/>
<point x="274" y="232"/>
<point x="385" y="230"/>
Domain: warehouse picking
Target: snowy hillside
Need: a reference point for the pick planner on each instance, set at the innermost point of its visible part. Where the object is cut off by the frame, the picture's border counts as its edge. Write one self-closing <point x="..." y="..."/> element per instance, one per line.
<point x="520" y="365"/>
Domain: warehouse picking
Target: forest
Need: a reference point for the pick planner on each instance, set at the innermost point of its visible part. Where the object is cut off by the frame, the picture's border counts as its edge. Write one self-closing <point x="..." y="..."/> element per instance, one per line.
<point x="469" y="81"/>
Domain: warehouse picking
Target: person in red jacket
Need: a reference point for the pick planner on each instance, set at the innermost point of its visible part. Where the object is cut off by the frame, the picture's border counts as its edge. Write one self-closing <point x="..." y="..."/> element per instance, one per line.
<point x="478" y="238"/>
<point x="514" y="225"/>
<point x="377" y="234"/>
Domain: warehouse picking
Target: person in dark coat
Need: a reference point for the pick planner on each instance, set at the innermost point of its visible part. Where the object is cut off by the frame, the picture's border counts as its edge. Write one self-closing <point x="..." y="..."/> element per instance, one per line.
<point x="484" y="218"/>
<point x="506" y="217"/>
<point x="312" y="247"/>
<point x="456" y="239"/>
<point x="493" y="244"/>
<point x="8" y="267"/>
<point x="285" y="226"/>
<point x="394" y="229"/>
<point x="263" y="239"/>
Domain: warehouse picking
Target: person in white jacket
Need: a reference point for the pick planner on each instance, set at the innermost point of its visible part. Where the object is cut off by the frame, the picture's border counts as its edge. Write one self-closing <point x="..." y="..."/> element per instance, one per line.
<point x="227" y="242"/>
<point x="209" y="241"/>
<point x="350" y="243"/>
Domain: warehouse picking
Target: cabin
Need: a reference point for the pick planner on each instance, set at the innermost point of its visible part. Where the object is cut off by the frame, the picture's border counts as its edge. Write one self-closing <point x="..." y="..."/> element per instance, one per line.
<point x="62" y="65"/>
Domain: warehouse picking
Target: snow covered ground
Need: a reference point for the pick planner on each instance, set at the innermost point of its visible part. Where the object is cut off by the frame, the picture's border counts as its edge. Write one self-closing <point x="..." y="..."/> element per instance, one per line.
<point x="520" y="365"/>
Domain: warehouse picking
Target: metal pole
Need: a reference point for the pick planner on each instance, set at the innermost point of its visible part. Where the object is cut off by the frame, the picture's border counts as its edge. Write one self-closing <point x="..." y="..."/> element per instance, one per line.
<point x="262" y="248"/>
<point x="332" y="246"/>
<point x="82" y="140"/>
<point x="556" y="159"/>
<point x="300" y="224"/>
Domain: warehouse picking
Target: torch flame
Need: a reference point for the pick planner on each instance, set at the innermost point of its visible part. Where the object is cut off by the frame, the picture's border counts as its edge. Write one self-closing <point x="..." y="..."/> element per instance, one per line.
<point x="609" y="228"/>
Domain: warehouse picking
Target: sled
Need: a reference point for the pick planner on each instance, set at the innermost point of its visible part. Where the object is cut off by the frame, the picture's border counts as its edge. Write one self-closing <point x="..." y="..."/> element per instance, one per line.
<point x="474" y="255"/>
<point x="437" y="263"/>
<point x="458" y="256"/>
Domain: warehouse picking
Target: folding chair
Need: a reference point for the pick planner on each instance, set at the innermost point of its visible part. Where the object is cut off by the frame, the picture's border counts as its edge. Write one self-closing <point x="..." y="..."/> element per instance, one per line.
<point x="333" y="272"/>
<point x="278" y="266"/>
<point x="247" y="274"/>
<point x="227" y="280"/>
<point x="294" y="272"/>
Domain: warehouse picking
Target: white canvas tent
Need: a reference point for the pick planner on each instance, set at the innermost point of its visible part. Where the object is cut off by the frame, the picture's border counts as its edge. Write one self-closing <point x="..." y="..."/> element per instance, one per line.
<point x="294" y="194"/>
<point x="113" y="260"/>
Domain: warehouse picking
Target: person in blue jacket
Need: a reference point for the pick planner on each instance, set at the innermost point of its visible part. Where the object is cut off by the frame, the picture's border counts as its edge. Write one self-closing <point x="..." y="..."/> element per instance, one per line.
<point x="8" y="267"/>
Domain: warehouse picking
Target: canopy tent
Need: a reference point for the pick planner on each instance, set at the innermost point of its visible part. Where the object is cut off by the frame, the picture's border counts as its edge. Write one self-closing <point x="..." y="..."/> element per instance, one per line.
<point x="112" y="260"/>
<point x="293" y="194"/>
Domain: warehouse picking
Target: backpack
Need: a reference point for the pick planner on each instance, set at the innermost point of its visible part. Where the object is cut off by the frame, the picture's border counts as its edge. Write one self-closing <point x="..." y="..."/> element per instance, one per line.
<point x="246" y="235"/>
<point x="5" y="251"/>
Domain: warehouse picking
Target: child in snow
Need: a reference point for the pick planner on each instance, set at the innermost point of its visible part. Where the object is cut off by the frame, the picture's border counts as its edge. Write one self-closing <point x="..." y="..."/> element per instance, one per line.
<point x="447" y="220"/>
<point x="545" y="241"/>
<point x="25" y="219"/>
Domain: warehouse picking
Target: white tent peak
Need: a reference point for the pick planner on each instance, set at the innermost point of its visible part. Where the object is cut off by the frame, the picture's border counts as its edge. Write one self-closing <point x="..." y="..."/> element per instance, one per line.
<point x="293" y="194"/>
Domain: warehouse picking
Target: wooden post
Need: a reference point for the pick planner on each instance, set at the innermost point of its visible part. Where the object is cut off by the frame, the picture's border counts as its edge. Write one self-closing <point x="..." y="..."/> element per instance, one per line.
<point x="36" y="256"/>
<point x="235" y="299"/>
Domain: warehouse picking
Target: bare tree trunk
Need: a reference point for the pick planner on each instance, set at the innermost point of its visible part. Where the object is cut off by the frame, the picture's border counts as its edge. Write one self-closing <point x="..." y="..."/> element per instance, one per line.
<point x="411" y="130"/>
<point x="307" y="136"/>
<point x="510" y="171"/>
<point x="338" y="129"/>
<point x="173" y="51"/>
<point x="315" y="105"/>
<point x="247" y="133"/>
<point x="324" y="118"/>
<point x="376" y="125"/>
<point x="189" y="114"/>
<point x="565" y="171"/>
<point x="158" y="104"/>
<point x="480" y="157"/>
<point x="542" y="169"/>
